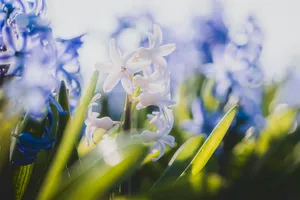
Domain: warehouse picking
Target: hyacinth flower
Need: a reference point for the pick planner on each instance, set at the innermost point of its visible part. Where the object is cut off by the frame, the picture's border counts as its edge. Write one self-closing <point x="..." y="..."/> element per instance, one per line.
<point x="29" y="146"/>
<point x="120" y="69"/>
<point x="140" y="21"/>
<point x="161" y="137"/>
<point x="238" y="79"/>
<point x="203" y="121"/>
<point x="93" y="123"/>
<point x="26" y="35"/>
<point x="155" y="52"/>
<point x="212" y="33"/>
<point x="152" y="79"/>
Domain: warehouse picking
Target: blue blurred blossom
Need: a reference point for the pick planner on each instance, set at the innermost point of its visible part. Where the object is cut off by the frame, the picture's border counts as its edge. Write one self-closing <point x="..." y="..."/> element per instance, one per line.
<point x="229" y="56"/>
<point x="203" y="121"/>
<point x="37" y="59"/>
<point x="238" y="79"/>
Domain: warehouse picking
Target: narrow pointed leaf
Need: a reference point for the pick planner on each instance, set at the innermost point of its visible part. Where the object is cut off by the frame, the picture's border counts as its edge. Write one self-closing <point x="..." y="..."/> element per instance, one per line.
<point x="65" y="149"/>
<point x="102" y="176"/>
<point x="63" y="100"/>
<point x="211" y="143"/>
<point x="22" y="173"/>
<point x="181" y="159"/>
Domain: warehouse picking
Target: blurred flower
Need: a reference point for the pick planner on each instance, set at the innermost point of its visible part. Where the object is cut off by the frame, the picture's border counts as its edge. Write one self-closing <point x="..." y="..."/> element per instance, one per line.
<point x="203" y="121"/>
<point x="27" y="44"/>
<point x="238" y="80"/>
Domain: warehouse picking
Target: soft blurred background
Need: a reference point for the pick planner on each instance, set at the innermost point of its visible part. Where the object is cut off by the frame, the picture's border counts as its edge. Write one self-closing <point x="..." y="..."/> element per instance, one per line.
<point x="129" y="21"/>
<point x="278" y="19"/>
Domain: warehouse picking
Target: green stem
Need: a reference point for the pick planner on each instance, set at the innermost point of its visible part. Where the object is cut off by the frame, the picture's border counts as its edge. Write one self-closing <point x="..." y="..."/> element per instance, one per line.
<point x="127" y="114"/>
<point x="126" y="187"/>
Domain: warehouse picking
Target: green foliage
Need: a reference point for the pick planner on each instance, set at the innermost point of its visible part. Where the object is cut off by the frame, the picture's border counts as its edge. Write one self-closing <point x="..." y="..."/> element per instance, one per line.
<point x="263" y="165"/>
<point x="212" y="142"/>
<point x="67" y="142"/>
<point x="181" y="159"/>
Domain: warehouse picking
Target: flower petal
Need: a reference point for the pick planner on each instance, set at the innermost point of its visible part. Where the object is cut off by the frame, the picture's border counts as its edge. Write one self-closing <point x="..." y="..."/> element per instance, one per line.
<point x="150" y="39"/>
<point x="157" y="35"/>
<point x="126" y="83"/>
<point x="169" y="140"/>
<point x="149" y="136"/>
<point x="6" y="57"/>
<point x="134" y="67"/>
<point x="111" y="81"/>
<point x="166" y="49"/>
<point x="105" y="67"/>
<point x="9" y="38"/>
<point x="129" y="55"/>
<point x="162" y="149"/>
<point x="115" y="53"/>
<point x="160" y="61"/>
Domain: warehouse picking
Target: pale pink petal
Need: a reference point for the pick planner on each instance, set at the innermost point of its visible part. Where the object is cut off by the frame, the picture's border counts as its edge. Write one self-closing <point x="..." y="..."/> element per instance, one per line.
<point x="105" y="67"/>
<point x="134" y="67"/>
<point x="111" y="81"/>
<point x="150" y="39"/>
<point x="126" y="83"/>
<point x="127" y="56"/>
<point x="165" y="49"/>
<point x="157" y="35"/>
<point x="169" y="140"/>
<point x="155" y="147"/>
<point x="115" y="54"/>
<point x="162" y="149"/>
<point x="149" y="136"/>
<point x="160" y="61"/>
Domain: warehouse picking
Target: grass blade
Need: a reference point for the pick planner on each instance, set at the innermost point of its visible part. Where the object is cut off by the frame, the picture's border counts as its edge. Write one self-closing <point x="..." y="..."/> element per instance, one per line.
<point x="102" y="176"/>
<point x="181" y="159"/>
<point x="212" y="142"/>
<point x="67" y="144"/>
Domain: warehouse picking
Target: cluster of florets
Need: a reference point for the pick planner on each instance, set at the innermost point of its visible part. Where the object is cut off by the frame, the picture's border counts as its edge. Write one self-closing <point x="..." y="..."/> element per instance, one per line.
<point x="146" y="69"/>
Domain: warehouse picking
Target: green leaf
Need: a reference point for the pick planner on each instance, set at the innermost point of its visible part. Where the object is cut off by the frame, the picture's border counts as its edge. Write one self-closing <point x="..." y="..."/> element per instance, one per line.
<point x="241" y="154"/>
<point x="63" y="100"/>
<point x="200" y="186"/>
<point x="102" y="176"/>
<point x="181" y="159"/>
<point x="212" y="142"/>
<point x="66" y="147"/>
<point x="278" y="124"/>
<point x="43" y="160"/>
<point x="209" y="101"/>
<point x="6" y="181"/>
<point x="22" y="174"/>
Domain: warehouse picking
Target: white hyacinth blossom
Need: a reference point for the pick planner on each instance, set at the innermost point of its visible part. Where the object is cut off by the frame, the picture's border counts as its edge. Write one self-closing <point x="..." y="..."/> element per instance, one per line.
<point x="146" y="69"/>
<point x="155" y="52"/>
<point x="161" y="136"/>
<point x="120" y="69"/>
<point x="93" y="123"/>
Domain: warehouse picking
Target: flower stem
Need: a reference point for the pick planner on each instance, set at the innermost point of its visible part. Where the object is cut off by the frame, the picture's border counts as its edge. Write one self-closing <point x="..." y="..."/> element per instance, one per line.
<point x="126" y="186"/>
<point x="127" y="114"/>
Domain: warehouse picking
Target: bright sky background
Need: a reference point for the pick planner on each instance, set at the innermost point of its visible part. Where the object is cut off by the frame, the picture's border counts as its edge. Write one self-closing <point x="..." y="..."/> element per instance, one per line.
<point x="278" y="18"/>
